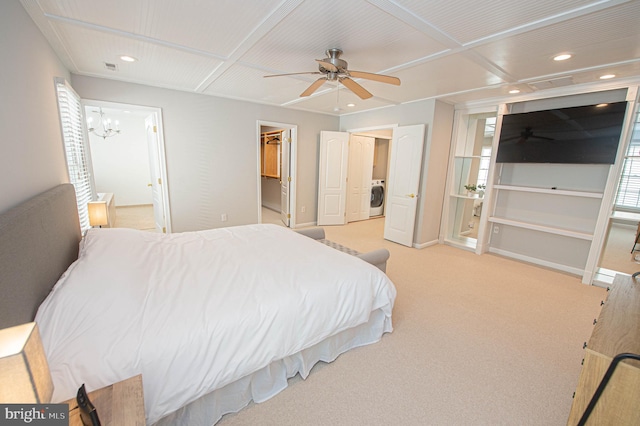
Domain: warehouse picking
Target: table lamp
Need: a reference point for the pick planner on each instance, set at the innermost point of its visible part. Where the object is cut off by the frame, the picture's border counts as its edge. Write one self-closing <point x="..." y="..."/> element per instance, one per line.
<point x="98" y="213"/>
<point x="24" y="371"/>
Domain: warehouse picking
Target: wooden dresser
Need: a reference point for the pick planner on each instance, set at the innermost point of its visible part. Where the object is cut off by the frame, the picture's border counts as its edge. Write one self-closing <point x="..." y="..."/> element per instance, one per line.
<point x="617" y="331"/>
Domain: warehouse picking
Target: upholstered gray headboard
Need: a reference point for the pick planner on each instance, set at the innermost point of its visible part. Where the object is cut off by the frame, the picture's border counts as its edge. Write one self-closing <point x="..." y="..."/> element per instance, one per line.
<point x="38" y="241"/>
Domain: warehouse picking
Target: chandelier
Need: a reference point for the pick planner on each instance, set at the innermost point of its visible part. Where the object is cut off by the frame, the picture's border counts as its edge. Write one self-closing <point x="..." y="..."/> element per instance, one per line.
<point x="105" y="129"/>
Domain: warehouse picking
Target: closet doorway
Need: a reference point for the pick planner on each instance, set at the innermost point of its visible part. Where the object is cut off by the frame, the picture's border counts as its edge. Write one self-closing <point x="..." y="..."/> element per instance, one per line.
<point x="129" y="166"/>
<point x="277" y="144"/>
<point x="367" y="174"/>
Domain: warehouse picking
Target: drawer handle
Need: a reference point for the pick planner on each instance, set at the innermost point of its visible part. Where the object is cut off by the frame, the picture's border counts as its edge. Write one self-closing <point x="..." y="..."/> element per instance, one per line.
<point x="595" y="321"/>
<point x="584" y="345"/>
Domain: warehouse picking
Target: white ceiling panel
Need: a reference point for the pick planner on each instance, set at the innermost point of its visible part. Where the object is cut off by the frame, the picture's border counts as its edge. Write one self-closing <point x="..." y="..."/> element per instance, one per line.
<point x="121" y="15"/>
<point x="157" y="65"/>
<point x="167" y="20"/>
<point x="458" y="52"/>
<point x="371" y="39"/>
<point x="255" y="86"/>
<point x="610" y="36"/>
<point x="450" y="74"/>
<point x="484" y="18"/>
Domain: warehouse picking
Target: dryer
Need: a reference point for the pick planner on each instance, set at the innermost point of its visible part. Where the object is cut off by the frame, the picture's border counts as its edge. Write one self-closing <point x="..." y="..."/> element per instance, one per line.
<point x="377" y="198"/>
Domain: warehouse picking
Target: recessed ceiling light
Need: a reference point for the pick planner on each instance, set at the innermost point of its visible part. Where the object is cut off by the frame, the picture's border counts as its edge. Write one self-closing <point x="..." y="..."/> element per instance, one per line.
<point x="351" y="105"/>
<point x="607" y="76"/>
<point x="601" y="105"/>
<point x="562" y="57"/>
<point x="128" y="58"/>
<point x="514" y="91"/>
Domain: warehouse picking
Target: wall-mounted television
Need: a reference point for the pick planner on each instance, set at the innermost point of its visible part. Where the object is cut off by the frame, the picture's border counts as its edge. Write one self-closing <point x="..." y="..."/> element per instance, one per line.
<point x="584" y="135"/>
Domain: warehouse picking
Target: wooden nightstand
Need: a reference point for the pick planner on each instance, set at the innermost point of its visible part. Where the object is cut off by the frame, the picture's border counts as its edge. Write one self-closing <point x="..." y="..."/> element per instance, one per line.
<point x="121" y="404"/>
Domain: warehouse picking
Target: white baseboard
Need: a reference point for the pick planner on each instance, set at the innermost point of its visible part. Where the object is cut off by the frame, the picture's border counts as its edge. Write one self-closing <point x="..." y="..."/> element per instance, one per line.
<point x="274" y="207"/>
<point x="425" y="245"/>
<point x="305" y="225"/>
<point x="545" y="263"/>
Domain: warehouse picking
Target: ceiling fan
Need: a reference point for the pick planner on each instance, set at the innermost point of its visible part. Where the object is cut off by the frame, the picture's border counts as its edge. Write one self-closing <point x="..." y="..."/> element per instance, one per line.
<point x="332" y="68"/>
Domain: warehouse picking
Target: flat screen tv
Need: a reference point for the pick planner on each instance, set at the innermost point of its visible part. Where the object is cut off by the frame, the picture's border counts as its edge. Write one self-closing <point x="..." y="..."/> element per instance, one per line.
<point x="583" y="135"/>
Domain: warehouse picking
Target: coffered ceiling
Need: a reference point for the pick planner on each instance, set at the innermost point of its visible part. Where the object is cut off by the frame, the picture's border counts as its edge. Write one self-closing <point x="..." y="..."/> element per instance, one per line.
<point x="457" y="51"/>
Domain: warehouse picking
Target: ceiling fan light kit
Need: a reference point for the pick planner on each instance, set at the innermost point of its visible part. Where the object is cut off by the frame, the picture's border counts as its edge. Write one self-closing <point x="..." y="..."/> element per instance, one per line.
<point x="335" y="69"/>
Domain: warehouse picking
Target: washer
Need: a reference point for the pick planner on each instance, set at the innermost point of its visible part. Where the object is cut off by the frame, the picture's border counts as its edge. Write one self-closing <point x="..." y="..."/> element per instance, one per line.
<point x="377" y="198"/>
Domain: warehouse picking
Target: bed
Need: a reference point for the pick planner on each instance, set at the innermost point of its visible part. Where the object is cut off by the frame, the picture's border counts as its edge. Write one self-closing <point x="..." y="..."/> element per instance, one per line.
<point x="211" y="319"/>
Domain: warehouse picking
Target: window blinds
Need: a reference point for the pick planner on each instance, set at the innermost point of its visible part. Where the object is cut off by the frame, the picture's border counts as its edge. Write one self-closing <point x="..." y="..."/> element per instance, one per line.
<point x="76" y="148"/>
<point x="628" y="196"/>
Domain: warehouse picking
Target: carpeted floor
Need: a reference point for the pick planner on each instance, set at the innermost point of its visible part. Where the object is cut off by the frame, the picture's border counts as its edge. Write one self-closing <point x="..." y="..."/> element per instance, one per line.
<point x="477" y="340"/>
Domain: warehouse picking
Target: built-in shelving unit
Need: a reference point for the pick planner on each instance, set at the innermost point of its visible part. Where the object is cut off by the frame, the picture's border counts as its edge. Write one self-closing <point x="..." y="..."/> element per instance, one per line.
<point x="469" y="160"/>
<point x="551" y="229"/>
<point x="550" y="191"/>
<point x="547" y="213"/>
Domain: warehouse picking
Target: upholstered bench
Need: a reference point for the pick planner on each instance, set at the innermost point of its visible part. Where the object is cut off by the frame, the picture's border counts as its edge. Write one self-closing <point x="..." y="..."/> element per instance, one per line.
<point x="378" y="257"/>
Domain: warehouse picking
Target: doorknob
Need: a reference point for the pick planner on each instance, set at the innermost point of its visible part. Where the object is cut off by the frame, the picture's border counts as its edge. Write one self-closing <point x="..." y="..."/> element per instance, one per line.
<point x="411" y="195"/>
<point x="149" y="184"/>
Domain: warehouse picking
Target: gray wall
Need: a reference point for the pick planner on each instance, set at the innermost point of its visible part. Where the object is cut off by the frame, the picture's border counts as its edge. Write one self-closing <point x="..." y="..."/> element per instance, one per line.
<point x="31" y="150"/>
<point x="212" y="151"/>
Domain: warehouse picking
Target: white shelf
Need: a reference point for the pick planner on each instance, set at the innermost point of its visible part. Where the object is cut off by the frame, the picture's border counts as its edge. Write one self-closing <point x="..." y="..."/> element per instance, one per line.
<point x="467" y="156"/>
<point x="468" y="197"/>
<point x="542" y="228"/>
<point x="585" y="194"/>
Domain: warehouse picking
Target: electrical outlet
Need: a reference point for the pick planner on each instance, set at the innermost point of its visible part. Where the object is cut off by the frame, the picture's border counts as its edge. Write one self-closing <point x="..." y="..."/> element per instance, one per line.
<point x="303" y="209"/>
<point x="496" y="230"/>
<point x="223" y="217"/>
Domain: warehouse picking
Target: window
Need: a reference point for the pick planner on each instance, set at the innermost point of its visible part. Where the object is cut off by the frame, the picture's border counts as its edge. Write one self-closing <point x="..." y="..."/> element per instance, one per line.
<point x="75" y="146"/>
<point x="628" y="196"/>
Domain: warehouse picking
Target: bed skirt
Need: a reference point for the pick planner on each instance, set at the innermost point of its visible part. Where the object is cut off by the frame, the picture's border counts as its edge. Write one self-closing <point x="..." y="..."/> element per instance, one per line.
<point x="272" y="379"/>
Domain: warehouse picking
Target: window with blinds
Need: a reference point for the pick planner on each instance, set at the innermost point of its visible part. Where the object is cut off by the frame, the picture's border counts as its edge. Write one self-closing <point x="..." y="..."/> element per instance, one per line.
<point x="75" y="146"/>
<point x="628" y="196"/>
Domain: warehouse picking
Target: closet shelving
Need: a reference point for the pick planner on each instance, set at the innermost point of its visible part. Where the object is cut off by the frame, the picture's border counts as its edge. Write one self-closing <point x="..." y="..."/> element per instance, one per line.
<point x="270" y="154"/>
<point x="565" y="224"/>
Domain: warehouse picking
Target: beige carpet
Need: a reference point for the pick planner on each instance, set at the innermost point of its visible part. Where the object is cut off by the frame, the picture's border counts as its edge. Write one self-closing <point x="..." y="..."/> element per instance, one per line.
<point x="478" y="340"/>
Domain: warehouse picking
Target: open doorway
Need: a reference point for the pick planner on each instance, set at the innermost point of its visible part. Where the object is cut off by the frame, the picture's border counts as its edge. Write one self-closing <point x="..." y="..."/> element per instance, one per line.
<point x="127" y="155"/>
<point x="335" y="180"/>
<point x="277" y="144"/>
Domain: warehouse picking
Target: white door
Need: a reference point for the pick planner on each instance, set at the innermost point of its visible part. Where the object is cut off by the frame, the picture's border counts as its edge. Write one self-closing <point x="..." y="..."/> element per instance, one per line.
<point x="402" y="185"/>
<point x="359" y="182"/>
<point x="154" y="169"/>
<point x="285" y="154"/>
<point x="332" y="178"/>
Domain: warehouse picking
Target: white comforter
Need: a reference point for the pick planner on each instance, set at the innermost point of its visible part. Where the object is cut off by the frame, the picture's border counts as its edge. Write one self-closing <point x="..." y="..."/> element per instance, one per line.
<point x="195" y="311"/>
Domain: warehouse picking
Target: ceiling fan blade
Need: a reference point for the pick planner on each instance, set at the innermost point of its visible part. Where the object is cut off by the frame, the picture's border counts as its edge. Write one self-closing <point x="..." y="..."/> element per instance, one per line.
<point x="314" y="86"/>
<point x="327" y="65"/>
<point x="376" y="77"/>
<point x="293" y="73"/>
<point x="355" y="88"/>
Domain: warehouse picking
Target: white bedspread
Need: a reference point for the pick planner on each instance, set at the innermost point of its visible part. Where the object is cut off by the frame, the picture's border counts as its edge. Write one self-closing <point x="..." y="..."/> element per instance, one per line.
<point x="195" y="311"/>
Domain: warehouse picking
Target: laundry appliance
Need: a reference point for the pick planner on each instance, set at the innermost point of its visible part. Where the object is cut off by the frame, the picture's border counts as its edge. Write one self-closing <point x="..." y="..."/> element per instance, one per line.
<point x="377" y="198"/>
